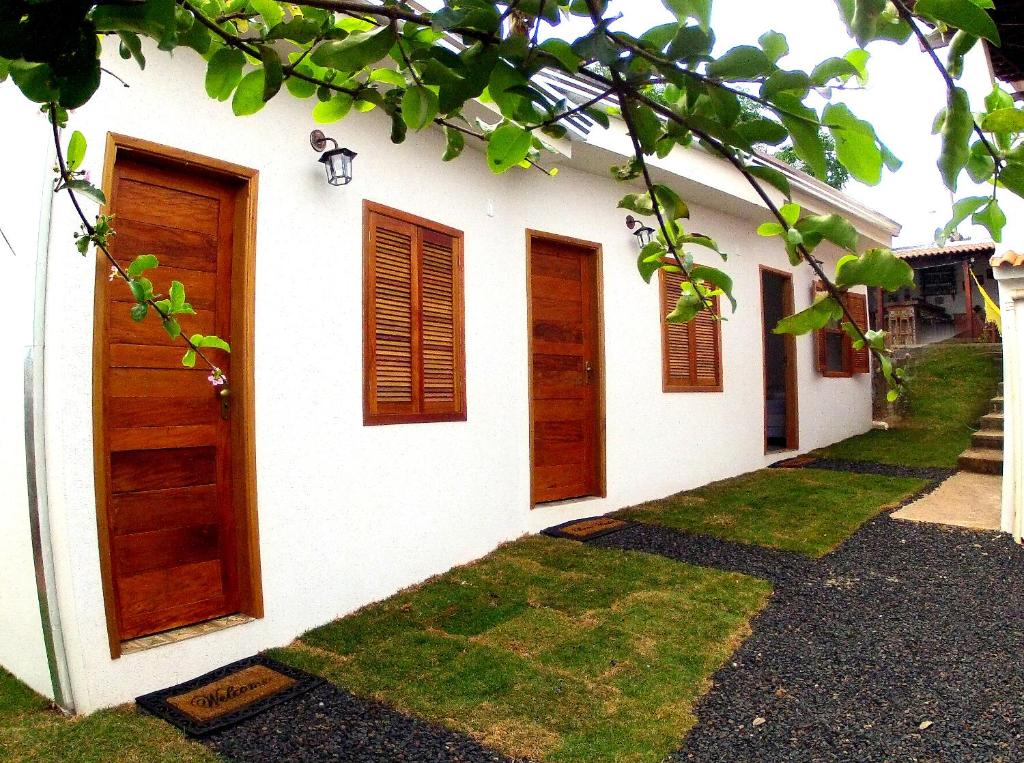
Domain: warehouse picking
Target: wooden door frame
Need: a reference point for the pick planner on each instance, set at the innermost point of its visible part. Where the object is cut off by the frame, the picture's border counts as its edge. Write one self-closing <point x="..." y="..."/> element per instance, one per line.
<point x="792" y="378"/>
<point x="243" y="434"/>
<point x="597" y="252"/>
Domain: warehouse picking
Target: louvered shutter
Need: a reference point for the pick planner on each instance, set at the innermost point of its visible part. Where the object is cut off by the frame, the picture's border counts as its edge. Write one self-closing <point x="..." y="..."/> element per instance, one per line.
<point x="692" y="354"/>
<point x="414" y="366"/>
<point x="820" y="336"/>
<point x="391" y="370"/>
<point x="439" y="305"/>
<point x="857" y="304"/>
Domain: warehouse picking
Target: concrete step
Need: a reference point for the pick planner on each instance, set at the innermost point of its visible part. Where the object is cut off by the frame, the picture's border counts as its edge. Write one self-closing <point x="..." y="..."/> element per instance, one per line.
<point x="987" y="439"/>
<point x="997" y="404"/>
<point x="992" y="421"/>
<point x="981" y="461"/>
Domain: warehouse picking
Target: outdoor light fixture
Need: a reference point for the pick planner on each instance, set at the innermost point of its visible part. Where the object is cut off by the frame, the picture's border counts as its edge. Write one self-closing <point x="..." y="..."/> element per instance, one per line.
<point x="644" y="234"/>
<point x="337" y="161"/>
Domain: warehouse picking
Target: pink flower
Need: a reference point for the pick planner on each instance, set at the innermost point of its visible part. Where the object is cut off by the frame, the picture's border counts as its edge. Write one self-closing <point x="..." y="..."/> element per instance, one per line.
<point x="113" y="273"/>
<point x="217" y="378"/>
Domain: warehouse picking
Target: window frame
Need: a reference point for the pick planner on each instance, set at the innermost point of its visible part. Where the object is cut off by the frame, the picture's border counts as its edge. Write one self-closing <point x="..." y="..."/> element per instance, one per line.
<point x="670" y="384"/>
<point x="460" y="413"/>
<point x="850" y="367"/>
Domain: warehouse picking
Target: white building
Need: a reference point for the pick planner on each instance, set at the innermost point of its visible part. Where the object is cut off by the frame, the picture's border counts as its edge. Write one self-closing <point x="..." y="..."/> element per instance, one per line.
<point x="300" y="507"/>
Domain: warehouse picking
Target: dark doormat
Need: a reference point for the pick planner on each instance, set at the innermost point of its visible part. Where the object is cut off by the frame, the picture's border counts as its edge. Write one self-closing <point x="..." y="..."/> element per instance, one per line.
<point x="228" y="695"/>
<point x="797" y="462"/>
<point x="587" y="529"/>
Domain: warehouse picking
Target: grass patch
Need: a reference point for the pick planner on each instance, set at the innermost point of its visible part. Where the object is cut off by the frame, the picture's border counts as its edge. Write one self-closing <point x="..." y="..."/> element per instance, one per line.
<point x="547" y="649"/>
<point x="805" y="510"/>
<point x="31" y="731"/>
<point x="950" y="390"/>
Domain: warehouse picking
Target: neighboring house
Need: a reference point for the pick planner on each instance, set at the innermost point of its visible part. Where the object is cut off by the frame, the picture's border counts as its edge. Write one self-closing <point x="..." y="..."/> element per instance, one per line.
<point x="945" y="302"/>
<point x="426" y="363"/>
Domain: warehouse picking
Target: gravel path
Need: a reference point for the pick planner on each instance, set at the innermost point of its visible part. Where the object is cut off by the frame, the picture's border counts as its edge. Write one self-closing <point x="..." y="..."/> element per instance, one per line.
<point x="906" y="643"/>
<point x="881" y="470"/>
<point x="329" y="724"/>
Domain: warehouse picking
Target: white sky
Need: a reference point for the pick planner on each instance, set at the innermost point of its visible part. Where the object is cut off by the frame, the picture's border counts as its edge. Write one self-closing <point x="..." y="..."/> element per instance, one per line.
<point x="901" y="99"/>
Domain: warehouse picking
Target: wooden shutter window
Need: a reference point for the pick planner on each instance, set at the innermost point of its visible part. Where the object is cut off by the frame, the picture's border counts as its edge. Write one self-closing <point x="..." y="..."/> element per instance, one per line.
<point x="414" y="367"/>
<point x="860" y="360"/>
<point x="691" y="352"/>
<point x="836" y="357"/>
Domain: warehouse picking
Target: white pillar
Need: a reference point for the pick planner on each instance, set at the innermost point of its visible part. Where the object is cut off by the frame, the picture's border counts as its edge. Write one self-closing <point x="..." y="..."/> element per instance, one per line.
<point x="1009" y="272"/>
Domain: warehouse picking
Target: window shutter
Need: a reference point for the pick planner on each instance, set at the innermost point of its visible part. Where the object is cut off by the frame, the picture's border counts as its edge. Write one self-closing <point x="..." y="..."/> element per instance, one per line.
<point x="857" y="304"/>
<point x="440" y="289"/>
<point x="820" y="336"/>
<point x="391" y="382"/>
<point x="414" y="369"/>
<point x="691" y="352"/>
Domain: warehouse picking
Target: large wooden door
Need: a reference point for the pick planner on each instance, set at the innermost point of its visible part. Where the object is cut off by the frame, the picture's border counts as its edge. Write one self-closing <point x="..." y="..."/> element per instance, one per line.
<point x="167" y="477"/>
<point x="565" y="384"/>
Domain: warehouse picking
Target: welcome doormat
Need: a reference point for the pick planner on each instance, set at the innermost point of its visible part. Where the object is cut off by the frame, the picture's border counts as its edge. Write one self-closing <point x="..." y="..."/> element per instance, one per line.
<point x="587" y="529"/>
<point x="228" y="695"/>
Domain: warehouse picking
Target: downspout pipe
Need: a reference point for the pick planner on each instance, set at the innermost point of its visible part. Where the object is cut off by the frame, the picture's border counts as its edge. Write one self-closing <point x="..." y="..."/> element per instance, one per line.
<point x="35" y="465"/>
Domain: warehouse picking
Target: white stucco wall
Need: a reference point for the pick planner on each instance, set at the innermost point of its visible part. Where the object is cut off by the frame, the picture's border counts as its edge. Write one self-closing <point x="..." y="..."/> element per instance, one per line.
<point x="21" y="635"/>
<point x="349" y="514"/>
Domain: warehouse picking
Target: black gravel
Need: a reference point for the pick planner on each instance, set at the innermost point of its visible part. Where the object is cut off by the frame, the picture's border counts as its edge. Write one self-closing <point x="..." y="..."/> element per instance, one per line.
<point x="906" y="643"/>
<point x="330" y="724"/>
<point x="709" y="552"/>
<point x="881" y="470"/>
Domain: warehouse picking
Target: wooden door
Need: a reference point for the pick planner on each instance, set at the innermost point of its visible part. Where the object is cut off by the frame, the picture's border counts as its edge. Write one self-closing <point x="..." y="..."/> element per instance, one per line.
<point x="781" y="405"/>
<point x="565" y="360"/>
<point x="166" y="472"/>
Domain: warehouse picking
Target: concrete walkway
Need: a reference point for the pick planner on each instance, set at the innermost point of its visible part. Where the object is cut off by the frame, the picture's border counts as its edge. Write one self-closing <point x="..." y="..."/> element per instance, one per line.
<point x="964" y="500"/>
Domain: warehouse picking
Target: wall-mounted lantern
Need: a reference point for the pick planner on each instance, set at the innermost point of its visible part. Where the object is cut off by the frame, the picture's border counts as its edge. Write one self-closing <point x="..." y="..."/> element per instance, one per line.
<point x="644" y="233"/>
<point x="337" y="161"/>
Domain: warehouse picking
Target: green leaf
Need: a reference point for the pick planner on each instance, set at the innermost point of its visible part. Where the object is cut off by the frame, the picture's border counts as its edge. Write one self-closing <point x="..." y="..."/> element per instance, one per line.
<point x="805" y="129"/>
<point x="388" y="76"/>
<point x="132" y="45"/>
<point x="993" y="219"/>
<point x="768" y="230"/>
<point x="270" y="11"/>
<point x="152" y="18"/>
<point x="209" y="341"/>
<point x="562" y="52"/>
<point x="141" y="264"/>
<point x="744" y="62"/>
<point x="874" y="268"/>
<point x="856" y="144"/>
<point x="356" y="51"/>
<point x="638" y="202"/>
<point x="172" y="327"/>
<point x="824" y="311"/>
<point x="651" y="260"/>
<point x="774" y="45"/>
<point x="671" y="205"/>
<point x="716" y="278"/>
<point x="273" y="73"/>
<point x="1012" y="176"/>
<point x="86" y="188"/>
<point x="688" y="305"/>
<point x="419" y="106"/>
<point x="507" y="147"/>
<point x="334" y="109"/>
<point x="139" y="311"/>
<point x="962" y="14"/>
<point x="141" y="288"/>
<point x="177" y="294"/>
<point x="698" y="10"/>
<point x="1003" y="120"/>
<point x="248" y="97"/>
<point x="76" y="151"/>
<point x="790" y="213"/>
<point x="956" y="135"/>
<point x="456" y="143"/>
<point x="223" y="73"/>
<point x="961" y="211"/>
<point x="834" y="228"/>
<point x="189" y="358"/>
<point x="773" y="177"/>
<point x="833" y="68"/>
<point x="298" y="87"/>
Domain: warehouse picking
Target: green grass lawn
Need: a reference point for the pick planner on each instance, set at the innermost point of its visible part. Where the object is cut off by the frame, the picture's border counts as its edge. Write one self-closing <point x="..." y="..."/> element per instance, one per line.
<point x="31" y="731"/>
<point x="950" y="389"/>
<point x="547" y="649"/>
<point x="806" y="510"/>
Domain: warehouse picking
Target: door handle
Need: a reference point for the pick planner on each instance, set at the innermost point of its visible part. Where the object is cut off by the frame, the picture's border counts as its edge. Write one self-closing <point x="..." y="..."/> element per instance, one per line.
<point x="589" y="369"/>
<point x="225" y="403"/>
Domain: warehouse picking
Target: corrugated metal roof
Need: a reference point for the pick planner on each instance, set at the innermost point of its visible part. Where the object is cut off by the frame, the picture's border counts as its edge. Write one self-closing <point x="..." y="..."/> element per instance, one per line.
<point x="960" y="247"/>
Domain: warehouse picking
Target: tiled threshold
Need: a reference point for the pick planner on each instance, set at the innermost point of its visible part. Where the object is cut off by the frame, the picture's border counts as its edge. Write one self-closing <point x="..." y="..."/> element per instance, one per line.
<point x="180" y="634"/>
